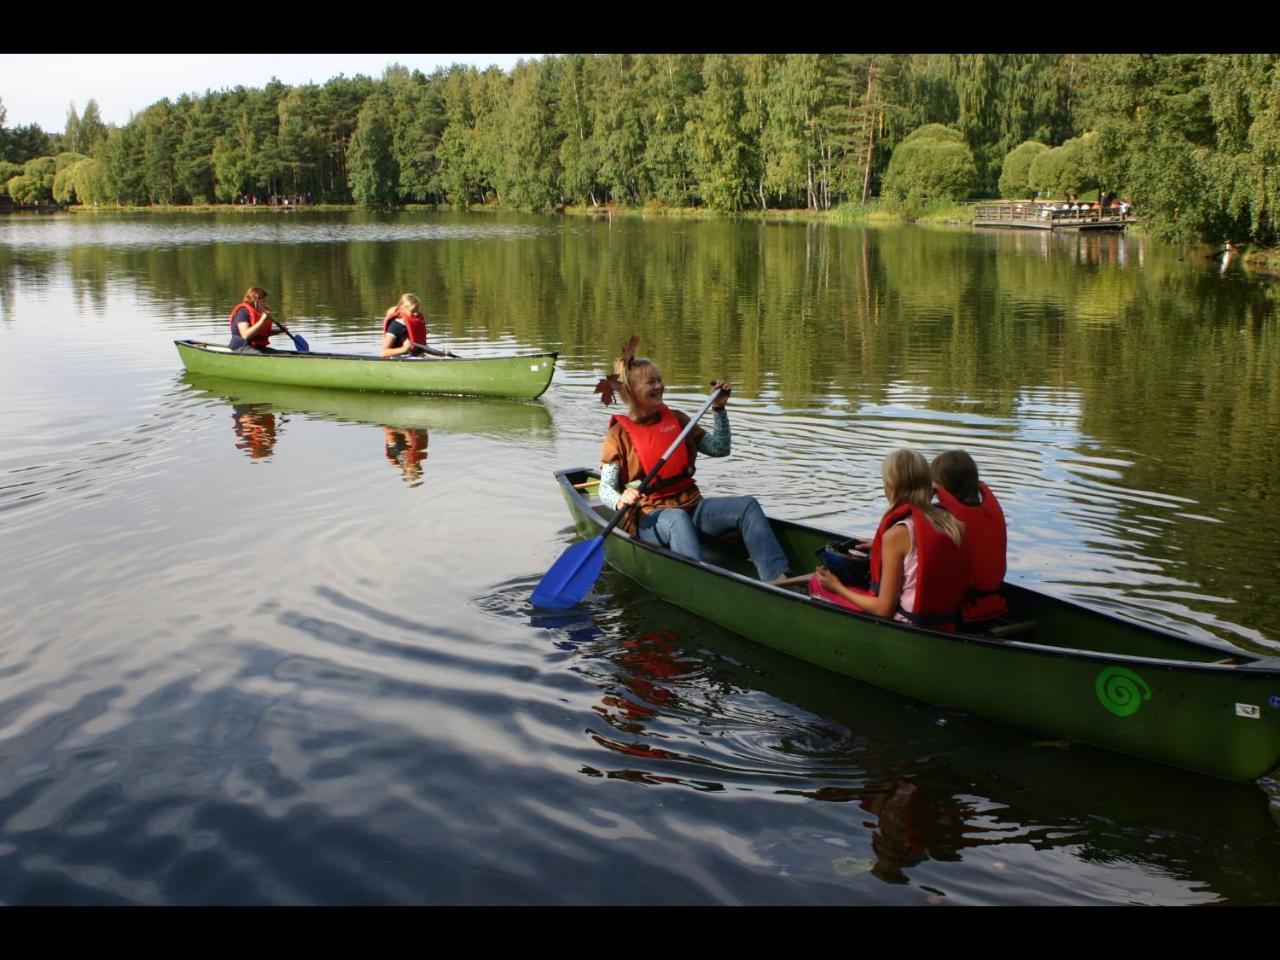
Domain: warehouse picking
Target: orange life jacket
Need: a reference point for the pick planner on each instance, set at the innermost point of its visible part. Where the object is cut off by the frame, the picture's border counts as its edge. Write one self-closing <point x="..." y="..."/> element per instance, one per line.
<point x="651" y="441"/>
<point x="414" y="323"/>
<point x="986" y="535"/>
<point x="259" y="341"/>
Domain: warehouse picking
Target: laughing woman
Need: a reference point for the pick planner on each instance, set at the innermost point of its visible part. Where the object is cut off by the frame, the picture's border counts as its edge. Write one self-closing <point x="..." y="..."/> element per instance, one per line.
<point x="673" y="513"/>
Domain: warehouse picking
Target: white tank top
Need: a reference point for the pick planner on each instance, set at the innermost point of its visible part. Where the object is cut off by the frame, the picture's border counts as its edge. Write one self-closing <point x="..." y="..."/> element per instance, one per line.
<point x="909" y="564"/>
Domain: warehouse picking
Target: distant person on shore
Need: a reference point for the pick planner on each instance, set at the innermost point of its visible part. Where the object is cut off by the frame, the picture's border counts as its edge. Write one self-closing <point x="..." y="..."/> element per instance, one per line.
<point x="919" y="565"/>
<point x="251" y="323"/>
<point x="404" y="330"/>
<point x="969" y="500"/>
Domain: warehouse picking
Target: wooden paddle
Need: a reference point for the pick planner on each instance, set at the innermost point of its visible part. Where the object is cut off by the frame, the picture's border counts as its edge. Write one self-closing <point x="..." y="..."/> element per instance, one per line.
<point x="570" y="577"/>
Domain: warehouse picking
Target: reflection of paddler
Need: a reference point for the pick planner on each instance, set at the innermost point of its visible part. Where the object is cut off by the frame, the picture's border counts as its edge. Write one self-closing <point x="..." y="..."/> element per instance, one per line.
<point x="255" y="430"/>
<point x="915" y="823"/>
<point x="407" y="448"/>
<point x="649" y="659"/>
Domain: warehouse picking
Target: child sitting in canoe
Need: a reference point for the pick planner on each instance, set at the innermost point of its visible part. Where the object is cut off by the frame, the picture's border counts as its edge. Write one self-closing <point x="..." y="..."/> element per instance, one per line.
<point x="919" y="567"/>
<point x="404" y="330"/>
<point x="251" y="322"/>
<point x="403" y="325"/>
<point x="969" y="500"/>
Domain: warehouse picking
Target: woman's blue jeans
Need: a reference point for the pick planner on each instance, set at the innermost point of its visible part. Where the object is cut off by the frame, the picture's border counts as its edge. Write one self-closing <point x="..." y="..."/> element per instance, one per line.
<point x="678" y="530"/>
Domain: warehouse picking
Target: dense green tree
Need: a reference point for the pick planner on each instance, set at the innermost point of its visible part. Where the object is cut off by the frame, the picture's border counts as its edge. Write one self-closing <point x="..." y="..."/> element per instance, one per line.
<point x="522" y="139"/>
<point x="35" y="183"/>
<point x="20" y="144"/>
<point x="232" y="159"/>
<point x="1155" y="135"/>
<point x="1005" y="99"/>
<point x="791" y="144"/>
<point x="90" y="131"/>
<point x="369" y="158"/>
<point x="122" y="165"/>
<point x="931" y="164"/>
<point x="337" y="112"/>
<point x="457" y="155"/>
<point x="618" y="130"/>
<point x="667" y="85"/>
<point x="722" y="162"/>
<point x="192" y="157"/>
<point x="578" y="162"/>
<point x="1065" y="171"/>
<point x="71" y="132"/>
<point x="160" y="134"/>
<point x="416" y="120"/>
<point x="1014" y="180"/>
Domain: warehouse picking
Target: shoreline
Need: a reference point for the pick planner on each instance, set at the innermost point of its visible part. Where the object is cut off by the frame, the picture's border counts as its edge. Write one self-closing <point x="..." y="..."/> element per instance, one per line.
<point x="948" y="215"/>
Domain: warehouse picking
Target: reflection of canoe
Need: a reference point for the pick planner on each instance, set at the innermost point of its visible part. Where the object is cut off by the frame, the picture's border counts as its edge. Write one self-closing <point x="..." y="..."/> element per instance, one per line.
<point x="478" y="416"/>
<point x="1071" y="671"/>
<point x="519" y="377"/>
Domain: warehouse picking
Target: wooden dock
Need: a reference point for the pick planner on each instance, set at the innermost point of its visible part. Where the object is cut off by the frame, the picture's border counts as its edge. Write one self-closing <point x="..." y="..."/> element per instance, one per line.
<point x="1049" y="215"/>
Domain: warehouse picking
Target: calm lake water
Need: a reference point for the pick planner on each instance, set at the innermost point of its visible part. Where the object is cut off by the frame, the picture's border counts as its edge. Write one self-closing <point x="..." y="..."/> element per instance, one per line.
<point x="267" y="646"/>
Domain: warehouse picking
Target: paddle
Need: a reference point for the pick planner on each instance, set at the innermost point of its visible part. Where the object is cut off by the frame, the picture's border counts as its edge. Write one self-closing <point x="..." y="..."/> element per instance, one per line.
<point x="570" y="577"/>
<point x="298" y="343"/>
<point x="432" y="350"/>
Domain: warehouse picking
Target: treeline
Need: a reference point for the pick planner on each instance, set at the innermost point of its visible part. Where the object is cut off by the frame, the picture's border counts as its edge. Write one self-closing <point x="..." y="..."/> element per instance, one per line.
<point x="1190" y="139"/>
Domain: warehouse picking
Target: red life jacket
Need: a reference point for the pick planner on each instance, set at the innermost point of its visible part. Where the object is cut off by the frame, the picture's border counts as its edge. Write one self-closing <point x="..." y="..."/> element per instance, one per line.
<point x="942" y="570"/>
<point x="255" y="315"/>
<point x="986" y="535"/>
<point x="414" y="323"/>
<point x="651" y="441"/>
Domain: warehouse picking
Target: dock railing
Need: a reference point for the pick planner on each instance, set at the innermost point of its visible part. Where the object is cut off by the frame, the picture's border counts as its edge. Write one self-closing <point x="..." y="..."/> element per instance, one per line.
<point x="1047" y="214"/>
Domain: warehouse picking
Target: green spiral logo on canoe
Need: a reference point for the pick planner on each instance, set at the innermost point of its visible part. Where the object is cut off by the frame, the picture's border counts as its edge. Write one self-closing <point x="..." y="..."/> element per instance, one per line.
<point x="1121" y="691"/>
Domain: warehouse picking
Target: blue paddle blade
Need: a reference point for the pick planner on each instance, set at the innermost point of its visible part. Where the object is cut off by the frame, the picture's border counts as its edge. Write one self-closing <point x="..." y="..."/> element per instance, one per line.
<point x="302" y="345"/>
<point x="570" y="577"/>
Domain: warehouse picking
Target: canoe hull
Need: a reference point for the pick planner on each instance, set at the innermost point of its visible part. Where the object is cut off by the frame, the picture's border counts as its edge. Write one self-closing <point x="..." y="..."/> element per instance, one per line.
<point x="517" y="377"/>
<point x="1161" y="697"/>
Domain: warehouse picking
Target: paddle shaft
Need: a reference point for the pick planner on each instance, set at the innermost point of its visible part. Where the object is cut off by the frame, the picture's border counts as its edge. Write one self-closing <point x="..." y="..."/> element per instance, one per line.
<point x="432" y="350"/>
<point x="649" y="477"/>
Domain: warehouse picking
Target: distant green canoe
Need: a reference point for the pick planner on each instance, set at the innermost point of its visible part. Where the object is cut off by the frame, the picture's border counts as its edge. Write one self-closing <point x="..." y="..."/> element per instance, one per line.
<point x="1056" y="667"/>
<point x="521" y="377"/>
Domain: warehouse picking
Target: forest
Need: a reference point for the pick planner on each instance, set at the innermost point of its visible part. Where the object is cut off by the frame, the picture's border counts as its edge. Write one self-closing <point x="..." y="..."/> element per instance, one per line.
<point x="1192" y="140"/>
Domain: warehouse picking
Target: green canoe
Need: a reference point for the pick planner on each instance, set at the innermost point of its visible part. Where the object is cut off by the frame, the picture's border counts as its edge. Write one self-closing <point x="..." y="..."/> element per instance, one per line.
<point x="517" y="377"/>
<point x="1054" y="666"/>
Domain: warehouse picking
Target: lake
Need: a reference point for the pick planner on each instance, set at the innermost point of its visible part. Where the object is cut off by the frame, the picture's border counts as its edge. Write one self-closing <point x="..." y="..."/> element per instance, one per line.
<point x="273" y="646"/>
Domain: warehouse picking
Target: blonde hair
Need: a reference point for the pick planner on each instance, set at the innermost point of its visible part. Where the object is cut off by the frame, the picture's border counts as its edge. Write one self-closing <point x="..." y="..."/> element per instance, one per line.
<point x="625" y="371"/>
<point x="409" y="303"/>
<point x="906" y="474"/>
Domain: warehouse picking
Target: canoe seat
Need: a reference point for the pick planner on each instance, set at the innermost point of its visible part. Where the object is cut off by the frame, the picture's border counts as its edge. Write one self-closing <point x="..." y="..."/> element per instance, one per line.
<point x="1005" y="630"/>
